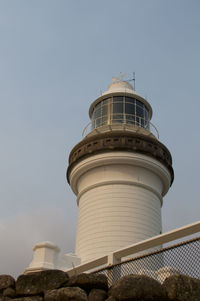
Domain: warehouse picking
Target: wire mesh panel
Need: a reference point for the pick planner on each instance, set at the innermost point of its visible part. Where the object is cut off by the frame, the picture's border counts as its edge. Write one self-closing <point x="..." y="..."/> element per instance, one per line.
<point x="183" y="258"/>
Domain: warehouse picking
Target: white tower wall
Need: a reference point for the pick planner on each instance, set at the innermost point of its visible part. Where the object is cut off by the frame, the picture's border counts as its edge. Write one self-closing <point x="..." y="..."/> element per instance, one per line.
<point x="119" y="195"/>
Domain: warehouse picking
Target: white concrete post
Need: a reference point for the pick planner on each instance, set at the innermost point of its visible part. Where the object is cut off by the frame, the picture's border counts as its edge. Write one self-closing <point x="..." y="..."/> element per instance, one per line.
<point x="45" y="257"/>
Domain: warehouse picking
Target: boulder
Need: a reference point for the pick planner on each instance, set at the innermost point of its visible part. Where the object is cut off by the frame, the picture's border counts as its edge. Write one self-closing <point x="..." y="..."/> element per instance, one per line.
<point x="33" y="298"/>
<point x="97" y="295"/>
<point x="9" y="292"/>
<point x="39" y="282"/>
<point x="111" y="298"/>
<point x="6" y="281"/>
<point x="66" y="294"/>
<point x="89" y="281"/>
<point x="182" y="288"/>
<point x="137" y="287"/>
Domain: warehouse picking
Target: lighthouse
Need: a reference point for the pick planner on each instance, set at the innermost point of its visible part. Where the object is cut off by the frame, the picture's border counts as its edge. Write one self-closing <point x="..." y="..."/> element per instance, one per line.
<point x="119" y="172"/>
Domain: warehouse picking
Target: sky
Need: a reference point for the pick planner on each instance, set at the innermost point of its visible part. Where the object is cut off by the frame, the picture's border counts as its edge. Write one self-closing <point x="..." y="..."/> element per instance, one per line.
<point x="56" y="57"/>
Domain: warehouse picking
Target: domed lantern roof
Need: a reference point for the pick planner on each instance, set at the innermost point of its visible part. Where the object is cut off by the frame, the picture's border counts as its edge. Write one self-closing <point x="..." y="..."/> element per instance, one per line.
<point x="120" y="86"/>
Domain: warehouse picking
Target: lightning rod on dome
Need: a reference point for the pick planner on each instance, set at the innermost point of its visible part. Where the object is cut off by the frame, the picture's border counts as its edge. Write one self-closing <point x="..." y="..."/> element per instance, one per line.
<point x="132" y="79"/>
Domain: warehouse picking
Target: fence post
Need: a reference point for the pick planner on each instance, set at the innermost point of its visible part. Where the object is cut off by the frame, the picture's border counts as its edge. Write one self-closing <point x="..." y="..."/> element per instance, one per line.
<point x="114" y="272"/>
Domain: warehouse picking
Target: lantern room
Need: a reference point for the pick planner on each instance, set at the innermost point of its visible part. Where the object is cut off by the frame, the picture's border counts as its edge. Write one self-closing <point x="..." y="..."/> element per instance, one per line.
<point x="120" y="104"/>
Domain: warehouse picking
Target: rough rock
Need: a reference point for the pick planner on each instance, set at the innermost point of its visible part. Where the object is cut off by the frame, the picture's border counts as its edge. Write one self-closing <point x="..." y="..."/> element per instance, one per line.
<point x="137" y="287"/>
<point x="89" y="281"/>
<point x="6" y="281"/>
<point x="39" y="282"/>
<point x="9" y="292"/>
<point x="97" y="295"/>
<point x="33" y="298"/>
<point x="111" y="298"/>
<point x="182" y="288"/>
<point x="66" y="294"/>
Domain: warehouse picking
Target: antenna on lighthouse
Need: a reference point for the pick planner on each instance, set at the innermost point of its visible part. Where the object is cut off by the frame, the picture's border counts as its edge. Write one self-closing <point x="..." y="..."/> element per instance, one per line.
<point x="132" y="80"/>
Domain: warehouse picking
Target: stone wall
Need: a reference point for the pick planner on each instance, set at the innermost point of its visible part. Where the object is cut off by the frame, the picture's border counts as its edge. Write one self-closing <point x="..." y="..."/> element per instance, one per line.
<point x="56" y="285"/>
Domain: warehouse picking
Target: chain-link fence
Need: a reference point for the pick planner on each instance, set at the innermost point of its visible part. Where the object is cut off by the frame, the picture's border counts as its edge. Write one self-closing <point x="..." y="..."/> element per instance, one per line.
<point x="181" y="258"/>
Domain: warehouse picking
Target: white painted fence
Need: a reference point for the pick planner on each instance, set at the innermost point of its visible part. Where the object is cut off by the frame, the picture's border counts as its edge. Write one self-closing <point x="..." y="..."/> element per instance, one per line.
<point x="131" y="250"/>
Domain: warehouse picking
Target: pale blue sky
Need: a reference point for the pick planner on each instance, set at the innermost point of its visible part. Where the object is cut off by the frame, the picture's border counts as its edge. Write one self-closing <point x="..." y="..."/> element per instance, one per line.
<point x="55" y="58"/>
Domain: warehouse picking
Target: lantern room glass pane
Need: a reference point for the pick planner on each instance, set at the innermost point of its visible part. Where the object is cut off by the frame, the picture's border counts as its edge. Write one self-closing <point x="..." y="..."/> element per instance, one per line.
<point x="97" y="113"/>
<point x="146" y="114"/>
<point x="130" y="110"/>
<point x="130" y="100"/>
<point x="117" y="118"/>
<point x="117" y="98"/>
<point x="105" y="101"/>
<point x="104" y="120"/>
<point x="139" y="112"/>
<point x="100" y="113"/>
<point x="104" y="109"/>
<point x="98" y="106"/>
<point x="146" y="117"/>
<point x="117" y="109"/>
<point x="139" y="109"/>
<point x="130" y="119"/>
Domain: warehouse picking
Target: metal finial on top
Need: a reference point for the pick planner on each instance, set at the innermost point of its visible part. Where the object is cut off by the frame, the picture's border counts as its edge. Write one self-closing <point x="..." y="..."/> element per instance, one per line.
<point x="120" y="78"/>
<point x="123" y="75"/>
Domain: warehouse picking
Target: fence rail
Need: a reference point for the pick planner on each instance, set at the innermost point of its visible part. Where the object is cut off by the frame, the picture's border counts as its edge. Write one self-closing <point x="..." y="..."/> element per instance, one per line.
<point x="156" y="262"/>
<point x="181" y="258"/>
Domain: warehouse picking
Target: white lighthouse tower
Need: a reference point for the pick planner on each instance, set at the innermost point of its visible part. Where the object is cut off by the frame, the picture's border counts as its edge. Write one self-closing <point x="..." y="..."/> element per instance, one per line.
<point x="119" y="173"/>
